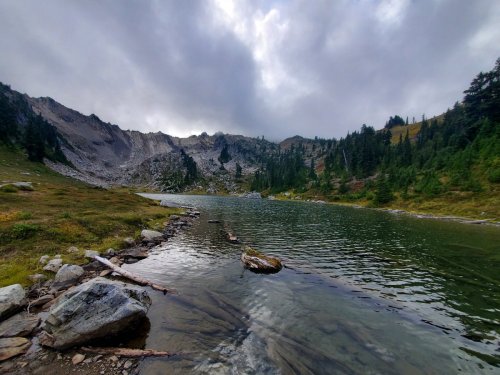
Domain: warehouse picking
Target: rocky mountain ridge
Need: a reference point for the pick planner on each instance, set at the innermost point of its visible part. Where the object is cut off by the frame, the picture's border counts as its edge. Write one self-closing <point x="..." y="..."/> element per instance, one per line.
<point x="104" y="154"/>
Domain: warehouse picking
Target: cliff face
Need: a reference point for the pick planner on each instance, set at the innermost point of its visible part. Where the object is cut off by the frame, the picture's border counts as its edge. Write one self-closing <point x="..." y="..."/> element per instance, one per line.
<point x="105" y="152"/>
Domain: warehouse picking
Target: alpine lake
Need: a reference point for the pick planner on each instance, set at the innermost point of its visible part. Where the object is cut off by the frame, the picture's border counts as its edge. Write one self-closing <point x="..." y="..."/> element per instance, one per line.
<point x="362" y="292"/>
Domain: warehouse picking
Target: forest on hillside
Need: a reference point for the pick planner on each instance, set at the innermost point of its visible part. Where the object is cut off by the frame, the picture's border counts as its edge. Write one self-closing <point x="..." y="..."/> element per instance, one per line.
<point x="460" y="151"/>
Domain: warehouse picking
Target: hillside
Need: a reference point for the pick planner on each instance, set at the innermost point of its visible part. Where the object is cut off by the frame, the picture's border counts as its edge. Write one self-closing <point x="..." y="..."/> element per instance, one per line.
<point x="452" y="159"/>
<point x="54" y="212"/>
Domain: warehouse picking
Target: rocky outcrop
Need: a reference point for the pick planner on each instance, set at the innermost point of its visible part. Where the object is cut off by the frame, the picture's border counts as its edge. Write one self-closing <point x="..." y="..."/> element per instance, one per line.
<point x="13" y="346"/>
<point x="95" y="309"/>
<point x="21" y="324"/>
<point x="12" y="299"/>
<point x="260" y="263"/>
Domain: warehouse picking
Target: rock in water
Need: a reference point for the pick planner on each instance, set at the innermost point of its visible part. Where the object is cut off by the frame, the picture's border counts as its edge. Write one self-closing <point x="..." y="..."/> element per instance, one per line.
<point x="95" y="309"/>
<point x="260" y="263"/>
<point x="12" y="299"/>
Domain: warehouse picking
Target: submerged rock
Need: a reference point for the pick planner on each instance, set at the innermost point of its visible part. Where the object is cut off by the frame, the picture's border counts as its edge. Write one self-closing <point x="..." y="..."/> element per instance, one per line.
<point x="260" y="263"/>
<point x="12" y="299"/>
<point x="95" y="309"/>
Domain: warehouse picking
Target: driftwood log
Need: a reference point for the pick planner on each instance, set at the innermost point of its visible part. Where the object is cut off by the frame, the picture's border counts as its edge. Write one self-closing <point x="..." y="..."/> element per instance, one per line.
<point x="127" y="352"/>
<point x="139" y="280"/>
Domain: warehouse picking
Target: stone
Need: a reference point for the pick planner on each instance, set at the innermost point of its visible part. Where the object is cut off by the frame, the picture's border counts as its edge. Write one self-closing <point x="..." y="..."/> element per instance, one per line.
<point x="91" y="254"/>
<point x="129" y="241"/>
<point x="72" y="250"/>
<point x="214" y="221"/>
<point x="12" y="299"/>
<point x="98" y="308"/>
<point x="58" y="256"/>
<point x="53" y="265"/>
<point x="77" y="358"/>
<point x="42" y="300"/>
<point x="127" y="365"/>
<point x="67" y="276"/>
<point x="174" y="217"/>
<point x="19" y="325"/>
<point x="253" y="195"/>
<point x="135" y="253"/>
<point x="13" y="346"/>
<point x="116" y="260"/>
<point x="44" y="259"/>
<point x="37" y="278"/>
<point x="110" y="252"/>
<point x="105" y="273"/>
<point x="260" y="263"/>
<point x="23" y="185"/>
<point x="165" y="203"/>
<point x="151" y="235"/>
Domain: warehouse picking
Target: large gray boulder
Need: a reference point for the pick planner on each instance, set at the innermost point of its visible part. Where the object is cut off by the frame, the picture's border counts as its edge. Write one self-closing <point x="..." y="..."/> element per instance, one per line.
<point x="67" y="276"/>
<point x="53" y="265"/>
<point x="12" y="299"/>
<point x="151" y="235"/>
<point x="95" y="309"/>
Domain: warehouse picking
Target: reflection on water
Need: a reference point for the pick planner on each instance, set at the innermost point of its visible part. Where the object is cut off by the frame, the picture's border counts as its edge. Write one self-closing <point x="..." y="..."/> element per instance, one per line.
<point x="365" y="292"/>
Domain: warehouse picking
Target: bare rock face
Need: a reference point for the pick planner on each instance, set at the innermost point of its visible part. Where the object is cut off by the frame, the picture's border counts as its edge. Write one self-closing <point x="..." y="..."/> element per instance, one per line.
<point x="12" y="299"/>
<point x="260" y="263"/>
<point x="95" y="309"/>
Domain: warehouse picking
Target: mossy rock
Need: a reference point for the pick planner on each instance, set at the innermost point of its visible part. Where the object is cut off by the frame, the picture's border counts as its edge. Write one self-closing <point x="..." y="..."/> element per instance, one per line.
<point x="260" y="263"/>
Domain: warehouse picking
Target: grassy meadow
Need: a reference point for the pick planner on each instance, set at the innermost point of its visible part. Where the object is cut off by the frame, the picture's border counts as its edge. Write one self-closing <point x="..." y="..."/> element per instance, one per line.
<point x="60" y="212"/>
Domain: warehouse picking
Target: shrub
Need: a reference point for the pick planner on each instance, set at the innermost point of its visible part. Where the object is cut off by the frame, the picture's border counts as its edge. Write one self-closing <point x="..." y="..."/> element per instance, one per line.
<point x="22" y="231"/>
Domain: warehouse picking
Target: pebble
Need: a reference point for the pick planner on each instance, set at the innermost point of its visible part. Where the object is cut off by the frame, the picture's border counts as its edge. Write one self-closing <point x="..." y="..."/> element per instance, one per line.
<point x="113" y="358"/>
<point x="127" y="365"/>
<point x="77" y="358"/>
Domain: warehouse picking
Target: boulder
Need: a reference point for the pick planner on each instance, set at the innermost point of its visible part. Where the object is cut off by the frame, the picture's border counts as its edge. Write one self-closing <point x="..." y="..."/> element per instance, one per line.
<point x="21" y="324"/>
<point x="53" y="265"/>
<point x="151" y="235"/>
<point x="91" y="254"/>
<point x="260" y="263"/>
<point x="12" y="346"/>
<point x="44" y="259"/>
<point x="165" y="203"/>
<point x="253" y="195"/>
<point x="12" y="299"/>
<point x="67" y="276"/>
<point x="98" y="308"/>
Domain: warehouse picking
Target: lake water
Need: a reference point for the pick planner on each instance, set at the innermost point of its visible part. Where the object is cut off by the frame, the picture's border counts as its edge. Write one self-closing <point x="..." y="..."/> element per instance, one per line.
<point x="363" y="292"/>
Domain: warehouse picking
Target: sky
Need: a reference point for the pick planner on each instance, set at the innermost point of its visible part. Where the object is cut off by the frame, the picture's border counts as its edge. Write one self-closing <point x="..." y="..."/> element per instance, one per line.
<point x="273" y="68"/>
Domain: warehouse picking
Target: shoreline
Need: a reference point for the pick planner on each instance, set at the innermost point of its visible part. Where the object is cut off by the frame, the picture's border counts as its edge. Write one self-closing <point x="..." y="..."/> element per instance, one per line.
<point x="43" y="359"/>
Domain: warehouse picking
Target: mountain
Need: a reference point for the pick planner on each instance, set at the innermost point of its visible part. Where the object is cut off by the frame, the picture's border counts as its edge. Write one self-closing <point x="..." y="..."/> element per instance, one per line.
<point x="104" y="154"/>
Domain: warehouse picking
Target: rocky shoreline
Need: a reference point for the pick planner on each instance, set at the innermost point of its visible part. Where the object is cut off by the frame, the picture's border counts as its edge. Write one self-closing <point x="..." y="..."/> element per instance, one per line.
<point x="43" y="328"/>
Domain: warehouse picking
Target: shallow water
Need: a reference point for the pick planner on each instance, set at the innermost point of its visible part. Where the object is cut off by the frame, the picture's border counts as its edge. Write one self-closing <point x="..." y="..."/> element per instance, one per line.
<point x="364" y="292"/>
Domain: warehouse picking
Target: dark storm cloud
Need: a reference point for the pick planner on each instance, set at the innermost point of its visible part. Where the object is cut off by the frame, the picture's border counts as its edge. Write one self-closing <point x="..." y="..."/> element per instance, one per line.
<point x="274" y="68"/>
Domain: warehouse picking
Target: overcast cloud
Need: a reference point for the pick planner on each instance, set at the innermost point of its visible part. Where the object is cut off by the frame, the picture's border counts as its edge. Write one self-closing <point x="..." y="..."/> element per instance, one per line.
<point x="273" y="68"/>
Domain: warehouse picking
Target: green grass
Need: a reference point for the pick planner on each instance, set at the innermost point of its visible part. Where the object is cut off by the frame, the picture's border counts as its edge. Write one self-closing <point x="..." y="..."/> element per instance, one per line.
<point x="61" y="212"/>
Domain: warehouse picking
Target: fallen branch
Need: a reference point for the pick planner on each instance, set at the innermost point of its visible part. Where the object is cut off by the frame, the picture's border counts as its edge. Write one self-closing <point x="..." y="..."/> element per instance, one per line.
<point x="126" y="352"/>
<point x="129" y="275"/>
